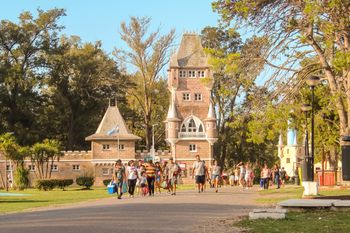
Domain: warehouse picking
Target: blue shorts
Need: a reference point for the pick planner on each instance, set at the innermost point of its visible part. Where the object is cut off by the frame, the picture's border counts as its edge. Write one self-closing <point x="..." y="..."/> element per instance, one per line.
<point x="213" y="177"/>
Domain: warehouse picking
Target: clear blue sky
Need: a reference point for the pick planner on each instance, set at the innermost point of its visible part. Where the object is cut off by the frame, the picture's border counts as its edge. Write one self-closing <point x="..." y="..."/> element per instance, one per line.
<point x="100" y="19"/>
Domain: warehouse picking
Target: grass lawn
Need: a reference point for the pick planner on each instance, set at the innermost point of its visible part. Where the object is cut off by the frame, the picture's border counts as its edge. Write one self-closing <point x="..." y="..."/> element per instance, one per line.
<point x="55" y="197"/>
<point x="298" y="222"/>
<point x="273" y="195"/>
<point x="48" y="198"/>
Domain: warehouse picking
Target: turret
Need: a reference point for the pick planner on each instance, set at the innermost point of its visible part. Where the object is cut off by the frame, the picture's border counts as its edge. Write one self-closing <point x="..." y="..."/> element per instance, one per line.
<point x="172" y="121"/>
<point x="210" y="123"/>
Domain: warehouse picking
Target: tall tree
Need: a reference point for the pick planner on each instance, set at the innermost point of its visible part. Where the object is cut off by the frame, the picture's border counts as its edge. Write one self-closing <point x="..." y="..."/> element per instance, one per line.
<point x="80" y="80"/>
<point x="234" y="75"/>
<point x="23" y="46"/>
<point x="148" y="54"/>
<point x="297" y="30"/>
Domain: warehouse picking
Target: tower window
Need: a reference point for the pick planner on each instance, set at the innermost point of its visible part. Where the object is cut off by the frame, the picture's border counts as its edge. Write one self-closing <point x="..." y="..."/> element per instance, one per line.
<point x="193" y="148"/>
<point x="186" y="96"/>
<point x="191" y="74"/>
<point x="182" y="74"/>
<point x="192" y="126"/>
<point x="198" y="96"/>
<point x="288" y="160"/>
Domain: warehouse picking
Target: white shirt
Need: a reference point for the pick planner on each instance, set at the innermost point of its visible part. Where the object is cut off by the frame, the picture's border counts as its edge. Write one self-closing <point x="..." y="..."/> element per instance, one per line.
<point x="132" y="171"/>
<point x="199" y="168"/>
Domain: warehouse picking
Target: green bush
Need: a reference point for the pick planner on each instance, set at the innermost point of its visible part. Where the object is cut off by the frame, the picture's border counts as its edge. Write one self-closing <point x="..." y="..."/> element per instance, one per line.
<point x="53" y="183"/>
<point x="21" y="178"/>
<point x="85" y="180"/>
<point x="46" y="184"/>
<point x="107" y="181"/>
<point x="64" y="183"/>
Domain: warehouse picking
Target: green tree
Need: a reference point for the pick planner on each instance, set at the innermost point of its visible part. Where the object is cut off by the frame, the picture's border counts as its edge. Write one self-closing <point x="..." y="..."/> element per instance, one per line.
<point x="81" y="78"/>
<point x="297" y="30"/>
<point x="234" y="75"/>
<point x="23" y="46"/>
<point x="148" y="54"/>
<point x="43" y="156"/>
<point x="14" y="152"/>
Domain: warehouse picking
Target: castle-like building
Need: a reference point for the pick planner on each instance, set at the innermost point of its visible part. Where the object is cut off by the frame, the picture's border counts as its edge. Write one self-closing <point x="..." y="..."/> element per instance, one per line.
<point x="191" y="121"/>
<point x="190" y="125"/>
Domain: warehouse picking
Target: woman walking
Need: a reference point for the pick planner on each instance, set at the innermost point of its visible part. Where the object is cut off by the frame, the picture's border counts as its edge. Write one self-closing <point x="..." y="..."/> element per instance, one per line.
<point x="158" y="180"/>
<point x="215" y="174"/>
<point x="265" y="175"/>
<point x="151" y="176"/>
<point x="132" y="175"/>
<point x="119" y="177"/>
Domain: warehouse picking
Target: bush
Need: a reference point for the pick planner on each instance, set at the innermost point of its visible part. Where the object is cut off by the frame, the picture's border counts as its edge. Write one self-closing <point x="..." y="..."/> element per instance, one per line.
<point x="107" y="181"/>
<point x="64" y="183"/>
<point x="21" y="178"/>
<point x="53" y="183"/>
<point x="86" y="181"/>
<point x="46" y="184"/>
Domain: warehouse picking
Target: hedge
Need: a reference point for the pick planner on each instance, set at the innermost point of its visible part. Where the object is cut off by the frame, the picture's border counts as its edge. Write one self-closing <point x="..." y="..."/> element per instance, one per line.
<point x="53" y="183"/>
<point x="85" y="180"/>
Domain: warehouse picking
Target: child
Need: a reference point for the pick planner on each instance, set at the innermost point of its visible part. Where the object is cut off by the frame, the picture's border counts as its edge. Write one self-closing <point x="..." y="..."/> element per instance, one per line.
<point x="143" y="184"/>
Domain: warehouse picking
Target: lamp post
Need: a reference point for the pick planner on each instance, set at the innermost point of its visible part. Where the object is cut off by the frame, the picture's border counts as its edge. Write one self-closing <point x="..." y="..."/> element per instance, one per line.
<point x="152" y="149"/>
<point x="312" y="82"/>
<point x="307" y="176"/>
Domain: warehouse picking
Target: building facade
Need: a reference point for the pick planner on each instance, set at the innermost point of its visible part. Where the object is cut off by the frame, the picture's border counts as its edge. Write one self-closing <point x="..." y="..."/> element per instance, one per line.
<point x="111" y="141"/>
<point x="191" y="121"/>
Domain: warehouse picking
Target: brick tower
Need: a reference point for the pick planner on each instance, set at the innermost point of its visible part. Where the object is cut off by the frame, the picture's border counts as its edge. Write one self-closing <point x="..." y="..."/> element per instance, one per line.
<point x="191" y="121"/>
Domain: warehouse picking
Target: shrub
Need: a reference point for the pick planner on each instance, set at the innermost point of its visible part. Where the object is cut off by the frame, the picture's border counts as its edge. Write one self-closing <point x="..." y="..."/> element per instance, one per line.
<point x="46" y="184"/>
<point x="107" y="181"/>
<point x="85" y="180"/>
<point x="64" y="183"/>
<point x="21" y="178"/>
<point x="53" y="183"/>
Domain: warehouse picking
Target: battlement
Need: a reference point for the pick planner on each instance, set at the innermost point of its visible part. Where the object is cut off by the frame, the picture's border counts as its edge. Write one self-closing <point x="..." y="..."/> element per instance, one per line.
<point x="144" y="153"/>
<point x="77" y="154"/>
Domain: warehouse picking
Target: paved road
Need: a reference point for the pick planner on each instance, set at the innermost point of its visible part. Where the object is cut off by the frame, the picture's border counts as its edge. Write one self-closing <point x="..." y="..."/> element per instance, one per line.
<point x="188" y="211"/>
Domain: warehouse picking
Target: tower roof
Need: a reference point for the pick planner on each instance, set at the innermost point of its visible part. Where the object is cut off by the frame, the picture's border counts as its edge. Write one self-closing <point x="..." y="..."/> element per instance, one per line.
<point x="172" y="113"/>
<point x="112" y="127"/>
<point x="190" y="53"/>
<point x="211" y="112"/>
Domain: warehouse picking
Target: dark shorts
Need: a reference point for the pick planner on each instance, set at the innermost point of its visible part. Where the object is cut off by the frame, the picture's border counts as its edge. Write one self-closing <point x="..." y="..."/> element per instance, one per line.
<point x="200" y="179"/>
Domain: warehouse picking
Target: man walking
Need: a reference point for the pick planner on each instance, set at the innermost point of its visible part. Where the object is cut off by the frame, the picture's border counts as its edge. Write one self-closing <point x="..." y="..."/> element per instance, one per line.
<point x="198" y="171"/>
<point x="172" y="172"/>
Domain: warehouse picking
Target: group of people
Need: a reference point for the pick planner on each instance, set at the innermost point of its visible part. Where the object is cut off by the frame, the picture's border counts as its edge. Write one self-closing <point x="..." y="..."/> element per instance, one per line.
<point x="146" y="178"/>
<point x="272" y="176"/>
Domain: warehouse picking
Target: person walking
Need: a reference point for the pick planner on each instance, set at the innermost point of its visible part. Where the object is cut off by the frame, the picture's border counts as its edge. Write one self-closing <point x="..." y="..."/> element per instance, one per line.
<point x="266" y="175"/>
<point x="241" y="173"/>
<point x="151" y="176"/>
<point x="158" y="180"/>
<point x="198" y="171"/>
<point x="283" y="176"/>
<point x="132" y="175"/>
<point x="215" y="175"/>
<point x="276" y="172"/>
<point x="248" y="175"/>
<point x="119" y="177"/>
<point x="172" y="172"/>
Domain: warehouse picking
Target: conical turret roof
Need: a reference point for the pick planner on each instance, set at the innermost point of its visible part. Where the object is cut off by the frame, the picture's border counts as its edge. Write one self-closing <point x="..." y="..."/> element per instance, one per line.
<point x="112" y="127"/>
<point x="190" y="53"/>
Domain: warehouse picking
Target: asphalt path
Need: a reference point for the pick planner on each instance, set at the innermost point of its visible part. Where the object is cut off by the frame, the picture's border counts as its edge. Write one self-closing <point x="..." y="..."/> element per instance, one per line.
<point x="188" y="211"/>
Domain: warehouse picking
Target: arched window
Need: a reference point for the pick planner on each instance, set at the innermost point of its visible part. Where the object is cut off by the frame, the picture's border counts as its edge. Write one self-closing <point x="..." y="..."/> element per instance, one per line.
<point x="192" y="124"/>
<point x="200" y="129"/>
